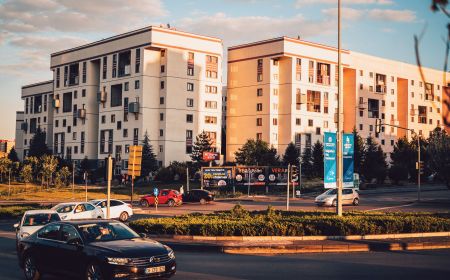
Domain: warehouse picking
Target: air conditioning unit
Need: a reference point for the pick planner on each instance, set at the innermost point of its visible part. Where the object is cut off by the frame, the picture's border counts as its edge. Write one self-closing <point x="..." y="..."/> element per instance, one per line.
<point x="56" y="103"/>
<point x="81" y="113"/>
<point x="24" y="126"/>
<point x="101" y="96"/>
<point x="133" y="107"/>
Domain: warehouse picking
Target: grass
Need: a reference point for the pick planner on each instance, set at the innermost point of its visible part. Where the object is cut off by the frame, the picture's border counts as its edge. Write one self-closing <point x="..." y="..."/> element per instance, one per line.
<point x="11" y="212"/>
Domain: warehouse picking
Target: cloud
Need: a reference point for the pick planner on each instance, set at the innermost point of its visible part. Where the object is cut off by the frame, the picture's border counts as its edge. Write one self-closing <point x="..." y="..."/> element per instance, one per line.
<point x="302" y="3"/>
<point x="392" y="15"/>
<point x="347" y="13"/>
<point x="235" y="30"/>
<point x="48" y="44"/>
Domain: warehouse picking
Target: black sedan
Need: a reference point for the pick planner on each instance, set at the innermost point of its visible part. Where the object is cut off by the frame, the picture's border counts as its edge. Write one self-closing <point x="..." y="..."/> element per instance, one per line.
<point x="202" y="196"/>
<point x="94" y="249"/>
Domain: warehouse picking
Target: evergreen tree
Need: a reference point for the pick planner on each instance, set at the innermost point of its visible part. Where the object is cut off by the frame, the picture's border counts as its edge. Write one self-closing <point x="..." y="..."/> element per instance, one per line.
<point x="38" y="147"/>
<point x="358" y="152"/>
<point x="317" y="159"/>
<point x="438" y="155"/>
<point x="402" y="160"/>
<point x="12" y="156"/>
<point x="149" y="162"/>
<point x="202" y="144"/>
<point x="307" y="165"/>
<point x="291" y="155"/>
<point x="374" y="164"/>
<point x="257" y="153"/>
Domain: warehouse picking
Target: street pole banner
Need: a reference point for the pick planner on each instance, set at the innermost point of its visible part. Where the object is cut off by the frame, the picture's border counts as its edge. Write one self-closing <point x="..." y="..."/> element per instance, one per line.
<point x="348" y="154"/>
<point x="329" y="160"/>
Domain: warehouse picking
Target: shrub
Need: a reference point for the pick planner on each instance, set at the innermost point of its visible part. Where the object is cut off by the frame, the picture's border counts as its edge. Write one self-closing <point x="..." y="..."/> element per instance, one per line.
<point x="11" y="212"/>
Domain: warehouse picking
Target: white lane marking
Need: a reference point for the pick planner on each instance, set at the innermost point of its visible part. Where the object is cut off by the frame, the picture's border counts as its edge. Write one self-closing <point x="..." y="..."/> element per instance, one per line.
<point x="391" y="207"/>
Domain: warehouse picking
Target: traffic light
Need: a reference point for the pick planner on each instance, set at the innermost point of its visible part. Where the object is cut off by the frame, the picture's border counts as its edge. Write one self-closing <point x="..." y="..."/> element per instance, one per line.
<point x="420" y="166"/>
<point x="377" y="126"/>
<point x="294" y="173"/>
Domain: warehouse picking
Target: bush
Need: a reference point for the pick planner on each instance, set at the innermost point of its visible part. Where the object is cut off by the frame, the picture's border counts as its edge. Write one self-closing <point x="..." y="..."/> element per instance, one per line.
<point x="240" y="222"/>
<point x="11" y="212"/>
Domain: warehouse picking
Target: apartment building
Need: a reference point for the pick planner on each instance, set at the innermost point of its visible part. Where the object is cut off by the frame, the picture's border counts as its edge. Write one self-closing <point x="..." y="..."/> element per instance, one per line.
<point x="5" y="147"/>
<point x="155" y="80"/>
<point x="38" y="112"/>
<point x="284" y="90"/>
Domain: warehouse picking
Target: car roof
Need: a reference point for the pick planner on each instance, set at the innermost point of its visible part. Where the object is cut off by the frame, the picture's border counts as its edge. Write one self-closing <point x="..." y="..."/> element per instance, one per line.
<point x="40" y="211"/>
<point x="75" y="202"/>
<point x="87" y="221"/>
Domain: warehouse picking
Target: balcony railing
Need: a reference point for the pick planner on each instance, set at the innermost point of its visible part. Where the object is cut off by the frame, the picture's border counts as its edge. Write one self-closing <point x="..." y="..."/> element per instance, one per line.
<point x="125" y="70"/>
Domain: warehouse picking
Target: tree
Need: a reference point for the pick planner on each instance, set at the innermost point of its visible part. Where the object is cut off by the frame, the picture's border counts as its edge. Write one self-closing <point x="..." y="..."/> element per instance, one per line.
<point x="358" y="152"/>
<point x="307" y="166"/>
<point x="38" y="147"/>
<point x="402" y="160"/>
<point x="35" y="166"/>
<point x="291" y="155"/>
<point x="374" y="164"/>
<point x="62" y="176"/>
<point x="438" y="151"/>
<point x="149" y="162"/>
<point x="317" y="160"/>
<point x="202" y="144"/>
<point x="13" y="155"/>
<point x="5" y="167"/>
<point x="257" y="153"/>
<point x="26" y="174"/>
<point x="49" y="164"/>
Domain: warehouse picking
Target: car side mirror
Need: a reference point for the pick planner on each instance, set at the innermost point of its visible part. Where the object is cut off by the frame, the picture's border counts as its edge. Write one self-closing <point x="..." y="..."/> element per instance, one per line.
<point x="16" y="226"/>
<point x="143" y="235"/>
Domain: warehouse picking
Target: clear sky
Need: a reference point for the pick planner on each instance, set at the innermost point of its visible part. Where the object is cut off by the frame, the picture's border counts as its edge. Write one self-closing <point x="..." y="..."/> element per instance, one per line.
<point x="31" y="29"/>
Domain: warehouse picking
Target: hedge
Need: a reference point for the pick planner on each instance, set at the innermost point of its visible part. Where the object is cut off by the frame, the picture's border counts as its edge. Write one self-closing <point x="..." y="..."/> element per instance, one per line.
<point x="11" y="212"/>
<point x="239" y="222"/>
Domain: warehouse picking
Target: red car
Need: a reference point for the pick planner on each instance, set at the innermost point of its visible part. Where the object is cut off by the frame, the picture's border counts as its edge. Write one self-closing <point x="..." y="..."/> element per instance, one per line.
<point x="169" y="197"/>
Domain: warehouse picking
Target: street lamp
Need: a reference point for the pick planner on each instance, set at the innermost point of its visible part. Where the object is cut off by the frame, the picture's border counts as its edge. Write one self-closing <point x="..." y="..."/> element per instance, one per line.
<point x="340" y="120"/>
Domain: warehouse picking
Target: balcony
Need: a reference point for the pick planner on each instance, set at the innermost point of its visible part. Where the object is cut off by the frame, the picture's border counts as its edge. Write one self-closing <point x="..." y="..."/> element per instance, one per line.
<point x="125" y="70"/>
<point x="323" y="80"/>
<point x="124" y="63"/>
<point x="380" y="89"/>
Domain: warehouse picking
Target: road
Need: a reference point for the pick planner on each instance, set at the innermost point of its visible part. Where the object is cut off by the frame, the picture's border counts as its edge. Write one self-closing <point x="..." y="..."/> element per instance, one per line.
<point x="375" y="265"/>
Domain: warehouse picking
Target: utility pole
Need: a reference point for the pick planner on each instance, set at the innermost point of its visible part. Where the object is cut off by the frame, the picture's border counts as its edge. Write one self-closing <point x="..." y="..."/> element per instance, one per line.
<point x="287" y="185"/>
<point x="109" y="177"/>
<point x="340" y="120"/>
<point x="419" y="170"/>
<point x="85" y="184"/>
<point x="248" y="187"/>
<point x="73" y="179"/>
<point x="187" y="178"/>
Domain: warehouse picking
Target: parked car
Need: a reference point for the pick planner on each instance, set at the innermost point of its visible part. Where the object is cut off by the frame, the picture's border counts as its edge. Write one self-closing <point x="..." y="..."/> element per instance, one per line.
<point x="118" y="209"/>
<point x="78" y="210"/>
<point x="33" y="220"/>
<point x="202" y="196"/>
<point x="169" y="197"/>
<point x="94" y="249"/>
<point x="329" y="198"/>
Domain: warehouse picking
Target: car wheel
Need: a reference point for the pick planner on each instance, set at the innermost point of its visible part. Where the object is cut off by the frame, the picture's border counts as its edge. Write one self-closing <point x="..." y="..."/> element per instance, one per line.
<point x="93" y="272"/>
<point x="356" y="201"/>
<point x="202" y="201"/>
<point x="334" y="203"/>
<point x="171" y="203"/>
<point x="144" y="203"/>
<point x="123" y="216"/>
<point x="30" y="269"/>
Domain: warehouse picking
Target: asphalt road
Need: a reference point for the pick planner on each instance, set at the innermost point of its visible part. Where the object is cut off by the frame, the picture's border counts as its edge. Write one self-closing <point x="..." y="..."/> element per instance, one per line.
<point x="375" y="265"/>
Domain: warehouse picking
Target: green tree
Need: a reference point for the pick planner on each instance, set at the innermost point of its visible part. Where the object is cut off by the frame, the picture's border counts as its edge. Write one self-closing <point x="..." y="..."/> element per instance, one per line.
<point x="149" y="162"/>
<point x="27" y="174"/>
<point x="402" y="160"/>
<point x="38" y="147"/>
<point x="358" y="152"/>
<point x="13" y="155"/>
<point x="5" y="168"/>
<point x="291" y="155"/>
<point x="49" y="164"/>
<point x="35" y="166"/>
<point x="257" y="153"/>
<point x="307" y="165"/>
<point x="317" y="159"/>
<point x="438" y="155"/>
<point x="62" y="177"/>
<point x="374" y="164"/>
<point x="202" y="144"/>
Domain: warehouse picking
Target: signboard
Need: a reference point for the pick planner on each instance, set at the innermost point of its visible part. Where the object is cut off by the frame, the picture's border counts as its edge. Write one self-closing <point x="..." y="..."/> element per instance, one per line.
<point x="347" y="155"/>
<point x="253" y="175"/>
<point x="329" y="151"/>
<point x="135" y="160"/>
<point x="277" y="176"/>
<point x="210" y="156"/>
<point x="217" y="176"/>
<point x="155" y="191"/>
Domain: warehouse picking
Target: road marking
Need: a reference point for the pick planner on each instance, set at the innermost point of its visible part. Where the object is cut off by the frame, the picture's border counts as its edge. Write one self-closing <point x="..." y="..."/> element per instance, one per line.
<point x="391" y="207"/>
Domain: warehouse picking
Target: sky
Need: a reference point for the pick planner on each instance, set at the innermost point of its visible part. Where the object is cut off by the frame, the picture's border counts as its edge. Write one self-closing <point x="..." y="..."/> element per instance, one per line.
<point x="32" y="29"/>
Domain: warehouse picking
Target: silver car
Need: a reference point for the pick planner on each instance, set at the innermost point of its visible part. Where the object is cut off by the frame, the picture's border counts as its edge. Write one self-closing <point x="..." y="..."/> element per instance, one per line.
<point x="33" y="220"/>
<point x="329" y="198"/>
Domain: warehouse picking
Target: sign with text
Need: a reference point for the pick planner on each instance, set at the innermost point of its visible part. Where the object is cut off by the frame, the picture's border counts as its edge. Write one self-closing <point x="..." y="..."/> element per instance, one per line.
<point x="250" y="175"/>
<point x="217" y="176"/>
<point x="348" y="144"/>
<point x="210" y="156"/>
<point x="329" y="152"/>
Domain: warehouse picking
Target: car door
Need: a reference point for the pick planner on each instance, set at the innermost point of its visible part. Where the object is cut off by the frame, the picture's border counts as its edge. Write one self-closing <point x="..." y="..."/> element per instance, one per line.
<point x="347" y="196"/>
<point x="116" y="209"/>
<point x="47" y="245"/>
<point x="162" y="197"/>
<point x="90" y="211"/>
<point x="70" y="252"/>
<point x="79" y="212"/>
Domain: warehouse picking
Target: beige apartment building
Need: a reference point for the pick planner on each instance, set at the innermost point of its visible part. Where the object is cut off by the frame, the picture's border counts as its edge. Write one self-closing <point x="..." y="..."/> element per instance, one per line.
<point x="284" y="90"/>
<point x="155" y="80"/>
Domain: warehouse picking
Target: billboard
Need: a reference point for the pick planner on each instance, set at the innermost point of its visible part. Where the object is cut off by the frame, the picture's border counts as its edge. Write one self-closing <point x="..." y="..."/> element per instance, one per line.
<point x="329" y="152"/>
<point x="253" y="175"/>
<point x="217" y="176"/>
<point x="348" y="158"/>
<point x="277" y="176"/>
<point x="210" y="156"/>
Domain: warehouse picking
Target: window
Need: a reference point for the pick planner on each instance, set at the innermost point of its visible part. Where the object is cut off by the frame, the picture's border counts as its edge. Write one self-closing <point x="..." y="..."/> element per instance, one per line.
<point x="209" y="89"/>
<point x="113" y="118"/>
<point x="323" y="73"/>
<point x="74" y="136"/>
<point x="275" y="92"/>
<point x="412" y="82"/>
<point x="361" y="73"/>
<point x="56" y="123"/>
<point x="83" y="93"/>
<point x="311" y="72"/>
<point x="135" y="136"/>
<point x="163" y="68"/>
<point x="275" y="121"/>
<point x="371" y="74"/>
<point x="161" y="100"/>
<point x="259" y="69"/>
<point x="161" y="132"/>
<point x="67" y="102"/>
<point x="317" y="130"/>
<point x="161" y="148"/>
<point x="119" y="125"/>
<point x="189" y="118"/>
<point x="114" y="66"/>
<point x="370" y="127"/>
<point x="105" y="67"/>
<point x="361" y="86"/>
<point x="371" y="88"/>
<point x="189" y="135"/>
<point x="373" y="108"/>
<point x="190" y="65"/>
<point x="392" y="104"/>
<point x="137" y="65"/>
<point x="161" y="116"/>
<point x="125" y="133"/>
<point x="84" y="72"/>
<point x="190" y="102"/>
<point x="259" y="122"/>
<point x="298" y="69"/>
<point x="259" y="92"/>
<point x="422" y="114"/>
<point x="116" y="95"/>
<point x="58" y="73"/>
<point x="258" y="136"/>
<point x="313" y="101"/>
<point x="190" y="87"/>
<point x="211" y="66"/>
<point x="126" y="86"/>
<point x="383" y="103"/>
<point x="298" y="121"/>
<point x="103" y="119"/>
<point x="49" y="232"/>
<point x="136" y="84"/>
<point x="380" y="83"/>
<point x="361" y="126"/>
<point x="211" y="104"/>
<point x="259" y="107"/>
<point x="325" y="124"/>
<point x="310" y="122"/>
<point x="162" y="85"/>
<point x="210" y="119"/>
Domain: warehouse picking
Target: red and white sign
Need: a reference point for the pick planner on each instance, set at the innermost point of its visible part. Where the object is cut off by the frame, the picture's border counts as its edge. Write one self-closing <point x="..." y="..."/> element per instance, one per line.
<point x="210" y="156"/>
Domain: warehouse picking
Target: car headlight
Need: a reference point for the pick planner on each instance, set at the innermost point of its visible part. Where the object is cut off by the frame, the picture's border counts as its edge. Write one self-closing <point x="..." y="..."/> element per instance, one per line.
<point x="118" y="261"/>
<point x="25" y="234"/>
<point x="170" y="253"/>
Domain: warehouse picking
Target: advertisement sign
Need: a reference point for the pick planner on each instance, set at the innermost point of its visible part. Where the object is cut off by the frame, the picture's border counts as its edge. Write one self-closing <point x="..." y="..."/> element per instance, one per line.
<point x="256" y="174"/>
<point x="277" y="176"/>
<point x="210" y="156"/>
<point x="217" y="176"/>
<point x="348" y="155"/>
<point x="329" y="151"/>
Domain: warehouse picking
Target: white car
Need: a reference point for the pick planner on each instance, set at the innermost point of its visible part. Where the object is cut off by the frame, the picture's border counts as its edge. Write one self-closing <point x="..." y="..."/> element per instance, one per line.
<point x="118" y="209"/>
<point x="329" y="198"/>
<point x="33" y="220"/>
<point x="78" y="210"/>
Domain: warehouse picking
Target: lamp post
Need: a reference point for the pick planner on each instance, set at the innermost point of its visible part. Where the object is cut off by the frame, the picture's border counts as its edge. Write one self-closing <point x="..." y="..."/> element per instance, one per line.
<point x="340" y="120"/>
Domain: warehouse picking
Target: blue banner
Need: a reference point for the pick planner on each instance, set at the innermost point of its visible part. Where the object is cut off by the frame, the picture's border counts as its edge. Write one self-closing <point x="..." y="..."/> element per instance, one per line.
<point x="329" y="149"/>
<point x="348" y="145"/>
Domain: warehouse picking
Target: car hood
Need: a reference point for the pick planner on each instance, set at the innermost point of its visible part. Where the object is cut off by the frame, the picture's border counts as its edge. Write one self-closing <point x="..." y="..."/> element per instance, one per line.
<point x="132" y="248"/>
<point x="325" y="196"/>
<point x="29" y="229"/>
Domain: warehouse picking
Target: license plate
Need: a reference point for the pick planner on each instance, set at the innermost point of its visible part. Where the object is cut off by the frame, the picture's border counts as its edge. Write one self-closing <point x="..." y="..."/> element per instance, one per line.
<point x="156" y="269"/>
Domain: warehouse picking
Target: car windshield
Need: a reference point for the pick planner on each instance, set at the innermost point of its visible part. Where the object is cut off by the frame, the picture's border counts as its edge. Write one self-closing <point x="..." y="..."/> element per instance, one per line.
<point x="40" y="219"/>
<point x="106" y="232"/>
<point x="65" y="208"/>
<point x="331" y="191"/>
